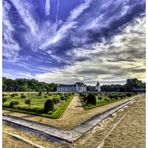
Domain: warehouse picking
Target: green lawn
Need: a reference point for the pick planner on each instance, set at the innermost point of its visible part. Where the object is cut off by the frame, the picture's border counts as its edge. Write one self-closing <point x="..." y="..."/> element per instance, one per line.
<point x="105" y="99"/>
<point x="37" y="104"/>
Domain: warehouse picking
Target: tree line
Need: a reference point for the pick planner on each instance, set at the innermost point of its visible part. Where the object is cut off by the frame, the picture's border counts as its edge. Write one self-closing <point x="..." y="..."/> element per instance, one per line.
<point x="131" y="85"/>
<point x="26" y="85"/>
<point x="31" y="85"/>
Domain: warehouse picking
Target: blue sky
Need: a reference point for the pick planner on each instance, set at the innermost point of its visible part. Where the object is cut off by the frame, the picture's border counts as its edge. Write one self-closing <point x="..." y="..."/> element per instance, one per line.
<point x="67" y="41"/>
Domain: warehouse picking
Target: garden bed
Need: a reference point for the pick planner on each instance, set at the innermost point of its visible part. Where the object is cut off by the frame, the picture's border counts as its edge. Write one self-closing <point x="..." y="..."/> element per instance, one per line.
<point x="36" y="106"/>
<point x="100" y="100"/>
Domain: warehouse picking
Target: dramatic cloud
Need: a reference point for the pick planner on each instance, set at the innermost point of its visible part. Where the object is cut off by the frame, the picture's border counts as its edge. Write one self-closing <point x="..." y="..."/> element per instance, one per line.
<point x="86" y="40"/>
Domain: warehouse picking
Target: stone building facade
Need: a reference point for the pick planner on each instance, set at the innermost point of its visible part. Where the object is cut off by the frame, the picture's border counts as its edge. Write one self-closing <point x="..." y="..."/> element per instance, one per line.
<point x="77" y="87"/>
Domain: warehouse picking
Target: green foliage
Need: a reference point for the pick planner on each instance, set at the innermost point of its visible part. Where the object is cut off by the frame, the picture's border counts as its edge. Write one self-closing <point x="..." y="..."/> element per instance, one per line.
<point x="40" y="93"/>
<point x="23" y="96"/>
<point x="26" y="85"/>
<point x="56" y="100"/>
<point x="14" y="95"/>
<point x="48" y="106"/>
<point x="4" y="99"/>
<point x="99" y="98"/>
<point x="91" y="99"/>
<point x="61" y="109"/>
<point x="13" y="104"/>
<point x="64" y="97"/>
<point x="28" y="102"/>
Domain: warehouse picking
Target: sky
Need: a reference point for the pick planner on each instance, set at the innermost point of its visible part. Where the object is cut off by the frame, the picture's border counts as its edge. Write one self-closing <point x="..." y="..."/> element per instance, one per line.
<point x="65" y="41"/>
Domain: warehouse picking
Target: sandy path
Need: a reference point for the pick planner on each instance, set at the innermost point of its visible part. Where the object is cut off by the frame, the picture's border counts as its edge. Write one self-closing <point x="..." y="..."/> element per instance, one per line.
<point x="74" y="108"/>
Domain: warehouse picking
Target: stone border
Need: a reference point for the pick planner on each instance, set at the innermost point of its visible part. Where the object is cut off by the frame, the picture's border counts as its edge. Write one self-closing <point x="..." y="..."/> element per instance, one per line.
<point x="67" y="135"/>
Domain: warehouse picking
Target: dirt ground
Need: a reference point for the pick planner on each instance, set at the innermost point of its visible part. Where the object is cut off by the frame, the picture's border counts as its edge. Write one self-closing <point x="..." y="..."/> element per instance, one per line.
<point x="131" y="132"/>
<point x="10" y="142"/>
<point x="74" y="114"/>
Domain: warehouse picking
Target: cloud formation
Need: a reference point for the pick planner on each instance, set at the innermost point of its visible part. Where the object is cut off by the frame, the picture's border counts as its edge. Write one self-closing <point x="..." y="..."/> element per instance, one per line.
<point x="88" y="41"/>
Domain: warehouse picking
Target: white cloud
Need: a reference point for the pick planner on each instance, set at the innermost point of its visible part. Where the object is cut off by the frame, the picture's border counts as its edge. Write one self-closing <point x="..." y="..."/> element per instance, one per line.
<point x="67" y="26"/>
<point x="123" y="57"/>
<point x="10" y="47"/>
<point x="25" y="14"/>
<point x="47" y="7"/>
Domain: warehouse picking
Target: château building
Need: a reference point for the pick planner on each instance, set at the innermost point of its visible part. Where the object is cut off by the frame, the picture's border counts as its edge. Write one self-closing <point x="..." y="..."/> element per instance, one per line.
<point x="77" y="87"/>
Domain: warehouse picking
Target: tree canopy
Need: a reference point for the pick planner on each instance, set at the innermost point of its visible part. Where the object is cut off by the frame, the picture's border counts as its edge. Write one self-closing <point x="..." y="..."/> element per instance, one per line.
<point x="27" y="85"/>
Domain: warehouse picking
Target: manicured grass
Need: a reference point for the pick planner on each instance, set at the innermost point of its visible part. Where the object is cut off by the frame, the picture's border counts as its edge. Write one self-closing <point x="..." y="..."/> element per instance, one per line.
<point x="61" y="109"/>
<point x="37" y="105"/>
<point x="104" y="101"/>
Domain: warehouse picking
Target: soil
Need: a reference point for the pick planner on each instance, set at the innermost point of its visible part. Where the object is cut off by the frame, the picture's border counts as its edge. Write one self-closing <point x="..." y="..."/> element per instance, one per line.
<point x="131" y="132"/>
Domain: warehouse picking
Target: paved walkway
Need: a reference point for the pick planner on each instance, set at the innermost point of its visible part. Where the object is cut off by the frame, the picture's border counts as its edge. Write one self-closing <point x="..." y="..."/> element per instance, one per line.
<point x="67" y="135"/>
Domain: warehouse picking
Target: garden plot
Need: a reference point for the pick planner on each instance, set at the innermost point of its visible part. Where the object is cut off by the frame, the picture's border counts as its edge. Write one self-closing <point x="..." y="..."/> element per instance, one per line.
<point x="74" y="115"/>
<point x="34" y="104"/>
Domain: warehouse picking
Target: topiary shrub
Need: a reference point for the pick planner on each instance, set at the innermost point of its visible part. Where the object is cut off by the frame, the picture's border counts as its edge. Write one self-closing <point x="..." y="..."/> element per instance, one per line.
<point x="4" y="99"/>
<point x="13" y="104"/>
<point x="56" y="100"/>
<point x="28" y="102"/>
<point x="14" y="95"/>
<point x="91" y="99"/>
<point x="23" y="96"/>
<point x="40" y="93"/>
<point x="107" y="100"/>
<point x="99" y="98"/>
<point x="48" y="106"/>
<point x="64" y="98"/>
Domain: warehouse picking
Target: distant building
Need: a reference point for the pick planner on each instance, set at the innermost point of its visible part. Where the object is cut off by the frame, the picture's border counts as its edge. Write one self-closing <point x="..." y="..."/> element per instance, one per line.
<point x="77" y="87"/>
<point x="98" y="87"/>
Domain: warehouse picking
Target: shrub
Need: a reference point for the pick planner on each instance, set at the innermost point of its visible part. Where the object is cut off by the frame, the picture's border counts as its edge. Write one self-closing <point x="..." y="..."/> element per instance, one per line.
<point x="91" y="99"/>
<point x="48" y="106"/>
<point x="4" y="99"/>
<point x="14" y="95"/>
<point x="106" y="100"/>
<point x="40" y="93"/>
<point x="63" y="97"/>
<point x="28" y="102"/>
<point x="23" y="96"/>
<point x="13" y="103"/>
<point x="99" y="98"/>
<point x="56" y="100"/>
<point x="129" y="94"/>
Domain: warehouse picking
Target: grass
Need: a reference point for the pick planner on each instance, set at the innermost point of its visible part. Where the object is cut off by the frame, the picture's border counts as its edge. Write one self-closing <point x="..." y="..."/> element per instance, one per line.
<point x="61" y="109"/>
<point x="104" y="101"/>
<point x="37" y="105"/>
